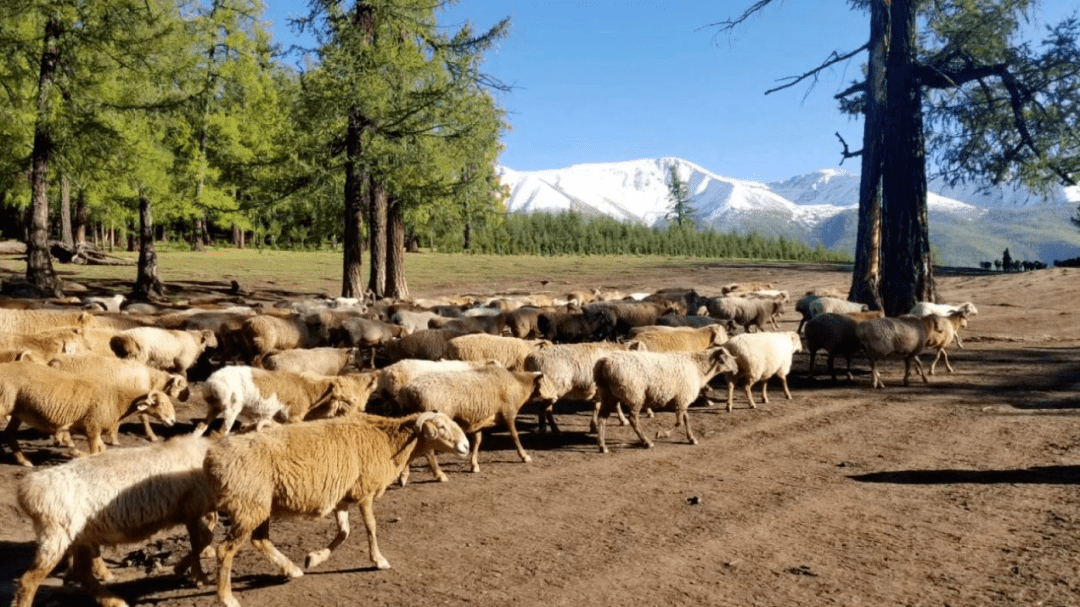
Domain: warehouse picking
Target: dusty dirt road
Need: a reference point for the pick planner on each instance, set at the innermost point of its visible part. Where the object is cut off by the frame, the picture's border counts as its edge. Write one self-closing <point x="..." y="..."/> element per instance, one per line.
<point x="958" y="492"/>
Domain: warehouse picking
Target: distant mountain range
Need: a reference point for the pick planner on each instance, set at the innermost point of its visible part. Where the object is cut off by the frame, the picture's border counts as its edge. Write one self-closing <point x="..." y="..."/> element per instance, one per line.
<point x="967" y="224"/>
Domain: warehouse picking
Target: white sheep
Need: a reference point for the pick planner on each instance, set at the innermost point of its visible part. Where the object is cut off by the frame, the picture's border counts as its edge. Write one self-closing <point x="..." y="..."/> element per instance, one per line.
<point x="925" y="308"/>
<point x="413" y="320"/>
<point x="475" y="399"/>
<point x="56" y="403"/>
<point x="510" y="352"/>
<point x="124" y="373"/>
<point x="260" y="396"/>
<point x="827" y="305"/>
<point x="314" y="469"/>
<point x="745" y="287"/>
<point x="568" y="374"/>
<point x="393" y="378"/>
<point x="165" y="349"/>
<point x="106" y="304"/>
<point x="904" y="336"/>
<point x="118" y="497"/>
<point x="760" y="356"/>
<point x="656" y="380"/>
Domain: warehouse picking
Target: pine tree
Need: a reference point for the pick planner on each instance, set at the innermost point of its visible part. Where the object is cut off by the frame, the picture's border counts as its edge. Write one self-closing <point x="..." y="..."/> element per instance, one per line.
<point x="679" y="197"/>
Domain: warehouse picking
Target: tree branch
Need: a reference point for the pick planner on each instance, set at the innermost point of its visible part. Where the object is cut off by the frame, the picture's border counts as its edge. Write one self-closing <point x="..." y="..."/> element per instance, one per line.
<point x="846" y="153"/>
<point x="833" y="59"/>
<point x="730" y="24"/>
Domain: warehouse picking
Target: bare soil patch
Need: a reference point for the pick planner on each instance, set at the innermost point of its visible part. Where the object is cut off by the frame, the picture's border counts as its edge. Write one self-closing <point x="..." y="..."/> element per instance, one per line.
<point x="957" y="492"/>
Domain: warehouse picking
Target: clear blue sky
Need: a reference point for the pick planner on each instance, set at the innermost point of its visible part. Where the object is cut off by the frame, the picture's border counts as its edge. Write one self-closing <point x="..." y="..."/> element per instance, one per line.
<point x="609" y="80"/>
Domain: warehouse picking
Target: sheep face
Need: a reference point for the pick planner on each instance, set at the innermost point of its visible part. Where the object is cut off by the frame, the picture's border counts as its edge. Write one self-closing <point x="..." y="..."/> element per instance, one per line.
<point x="441" y="433"/>
<point x="721" y="361"/>
<point x="157" y="404"/>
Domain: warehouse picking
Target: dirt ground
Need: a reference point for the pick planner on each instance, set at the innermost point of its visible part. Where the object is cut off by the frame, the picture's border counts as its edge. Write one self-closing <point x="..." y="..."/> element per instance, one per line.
<point x="958" y="492"/>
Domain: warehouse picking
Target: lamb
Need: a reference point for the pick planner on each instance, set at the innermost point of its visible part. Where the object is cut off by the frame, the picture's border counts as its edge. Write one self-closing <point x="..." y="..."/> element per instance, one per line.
<point x="475" y="399"/>
<point x="939" y="340"/>
<point x="413" y="320"/>
<point x="426" y="344"/>
<point x="118" y="497"/>
<point x="316" y="361"/>
<point x="264" y="333"/>
<point x="760" y="356"/>
<point x="510" y="352"/>
<point x="925" y="308"/>
<point x="165" y="349"/>
<point x="56" y="402"/>
<point x="568" y="374"/>
<point x="904" y="336"/>
<point x="835" y="333"/>
<point x="655" y="380"/>
<point x="314" y="469"/>
<point x="825" y="305"/>
<point x="672" y="339"/>
<point x="745" y="312"/>
<point x="124" y="373"/>
<point x="260" y="396"/>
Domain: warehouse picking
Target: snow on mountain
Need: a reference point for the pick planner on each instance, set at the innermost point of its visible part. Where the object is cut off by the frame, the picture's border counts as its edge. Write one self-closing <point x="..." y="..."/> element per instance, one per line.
<point x="968" y="224"/>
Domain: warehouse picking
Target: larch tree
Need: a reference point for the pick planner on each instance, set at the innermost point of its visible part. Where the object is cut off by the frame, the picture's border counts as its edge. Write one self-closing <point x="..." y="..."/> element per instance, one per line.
<point x="996" y="108"/>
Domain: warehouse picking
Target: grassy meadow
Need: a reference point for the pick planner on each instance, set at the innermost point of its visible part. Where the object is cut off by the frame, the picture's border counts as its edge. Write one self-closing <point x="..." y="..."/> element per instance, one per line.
<point x="319" y="272"/>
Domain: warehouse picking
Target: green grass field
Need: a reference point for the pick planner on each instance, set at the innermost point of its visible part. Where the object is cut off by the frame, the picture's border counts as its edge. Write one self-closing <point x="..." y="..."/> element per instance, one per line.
<point x="319" y="272"/>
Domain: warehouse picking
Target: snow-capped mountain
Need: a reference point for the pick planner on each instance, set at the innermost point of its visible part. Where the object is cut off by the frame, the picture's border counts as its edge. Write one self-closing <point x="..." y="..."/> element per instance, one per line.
<point x="968" y="224"/>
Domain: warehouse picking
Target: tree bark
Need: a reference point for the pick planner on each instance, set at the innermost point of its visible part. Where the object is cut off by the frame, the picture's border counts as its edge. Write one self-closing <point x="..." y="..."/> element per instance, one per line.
<point x="66" y="236"/>
<point x="866" y="275"/>
<point x="907" y="277"/>
<point x="81" y="218"/>
<point x="395" y="252"/>
<point x="352" y="282"/>
<point x="147" y="285"/>
<point x="39" y="268"/>
<point x="377" y="235"/>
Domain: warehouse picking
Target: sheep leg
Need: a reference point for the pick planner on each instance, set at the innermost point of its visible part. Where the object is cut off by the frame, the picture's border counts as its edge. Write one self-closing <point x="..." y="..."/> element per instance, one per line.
<point x="50" y="550"/>
<point x="474" y="454"/>
<point x="682" y="418"/>
<point x="101" y="571"/>
<point x="875" y="376"/>
<point x="511" y="424"/>
<point x="635" y="423"/>
<point x="749" y="396"/>
<point x="211" y="414"/>
<point x="783" y="382"/>
<point x="849" y="375"/>
<point x="260" y="538"/>
<point x="11" y="431"/>
<point x="82" y="571"/>
<point x="433" y="463"/>
<point x="341" y="515"/>
<point x="730" y="394"/>
<point x="765" y="390"/>
<point x="919" y="368"/>
<point x="368" y="512"/>
<point x="622" y="418"/>
<point x="201" y="533"/>
<point x="234" y="539"/>
<point x="600" y="416"/>
<point x="810" y="367"/>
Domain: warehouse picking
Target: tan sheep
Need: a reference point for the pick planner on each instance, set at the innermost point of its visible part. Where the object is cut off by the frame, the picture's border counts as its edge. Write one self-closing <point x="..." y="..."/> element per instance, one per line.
<point x="123" y="373"/>
<point x="317" y="361"/>
<point x="56" y="403"/>
<point x="949" y="329"/>
<point x="510" y="352"/>
<point x="679" y="339"/>
<point x="118" y="497"/>
<point x="264" y="333"/>
<point x="314" y="469"/>
<point x="904" y="336"/>
<point x="261" y="396"/>
<point x="475" y="399"/>
<point x="45" y="345"/>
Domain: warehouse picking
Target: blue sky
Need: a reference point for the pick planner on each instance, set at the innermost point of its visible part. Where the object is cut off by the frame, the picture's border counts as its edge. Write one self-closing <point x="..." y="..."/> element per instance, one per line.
<point x="608" y="80"/>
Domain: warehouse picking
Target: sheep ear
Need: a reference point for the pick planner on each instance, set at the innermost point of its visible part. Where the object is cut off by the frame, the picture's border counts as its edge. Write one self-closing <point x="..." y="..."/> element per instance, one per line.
<point x="143" y="403"/>
<point x="426" y="430"/>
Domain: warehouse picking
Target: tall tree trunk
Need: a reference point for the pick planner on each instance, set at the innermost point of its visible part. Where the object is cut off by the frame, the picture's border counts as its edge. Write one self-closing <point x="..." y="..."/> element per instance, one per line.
<point x="395" y="252"/>
<point x="66" y="236"/>
<point x="197" y="229"/>
<point x="467" y="239"/>
<point x="866" y="275"/>
<point x="352" y="282"/>
<point x="147" y="284"/>
<point x="81" y="218"/>
<point x="377" y="235"/>
<point x="907" y="277"/>
<point x="39" y="268"/>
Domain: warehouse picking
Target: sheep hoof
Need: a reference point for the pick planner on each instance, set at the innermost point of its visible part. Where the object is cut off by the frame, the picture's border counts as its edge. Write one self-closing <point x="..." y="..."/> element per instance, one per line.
<point x="153" y="439"/>
<point x="442" y="478"/>
<point x="294" y="572"/>
<point x="663" y="434"/>
<point x="316" y="558"/>
<point x="526" y="458"/>
<point x="382" y="563"/>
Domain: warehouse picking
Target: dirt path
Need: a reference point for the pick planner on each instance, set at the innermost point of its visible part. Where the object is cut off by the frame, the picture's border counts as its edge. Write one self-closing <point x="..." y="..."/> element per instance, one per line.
<point x="959" y="492"/>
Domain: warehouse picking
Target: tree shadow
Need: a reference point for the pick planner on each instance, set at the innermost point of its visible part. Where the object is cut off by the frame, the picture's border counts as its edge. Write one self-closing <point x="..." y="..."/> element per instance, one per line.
<point x="1039" y="475"/>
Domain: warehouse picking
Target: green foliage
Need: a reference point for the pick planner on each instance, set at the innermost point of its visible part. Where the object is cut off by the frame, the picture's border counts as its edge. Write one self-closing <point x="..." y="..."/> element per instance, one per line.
<point x="569" y="233"/>
<point x="679" y="195"/>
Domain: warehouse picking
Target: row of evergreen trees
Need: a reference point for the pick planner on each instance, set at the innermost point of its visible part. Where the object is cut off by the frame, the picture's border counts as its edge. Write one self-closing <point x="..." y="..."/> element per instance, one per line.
<point x="570" y="233"/>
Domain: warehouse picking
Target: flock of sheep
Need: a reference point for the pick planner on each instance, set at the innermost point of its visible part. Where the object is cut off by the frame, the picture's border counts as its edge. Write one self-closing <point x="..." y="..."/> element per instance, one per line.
<point x="305" y="380"/>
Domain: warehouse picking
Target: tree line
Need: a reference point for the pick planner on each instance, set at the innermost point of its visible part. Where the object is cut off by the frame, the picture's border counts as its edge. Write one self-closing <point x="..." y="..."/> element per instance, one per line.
<point x="127" y="116"/>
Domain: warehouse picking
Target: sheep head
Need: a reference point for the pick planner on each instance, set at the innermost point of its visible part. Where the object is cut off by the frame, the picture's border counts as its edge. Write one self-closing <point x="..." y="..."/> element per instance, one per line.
<point x="441" y="433"/>
<point x="157" y="404"/>
<point x="721" y="361"/>
<point x="177" y="387"/>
